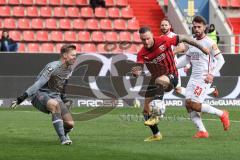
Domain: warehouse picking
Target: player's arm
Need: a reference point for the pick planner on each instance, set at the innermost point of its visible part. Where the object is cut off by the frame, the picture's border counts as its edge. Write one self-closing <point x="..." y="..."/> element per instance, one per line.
<point x="180" y="48"/>
<point x="193" y="43"/>
<point x="183" y="61"/>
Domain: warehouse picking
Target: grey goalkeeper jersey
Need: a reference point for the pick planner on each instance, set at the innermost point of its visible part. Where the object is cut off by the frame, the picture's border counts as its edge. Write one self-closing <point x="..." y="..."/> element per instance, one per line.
<point x="51" y="79"/>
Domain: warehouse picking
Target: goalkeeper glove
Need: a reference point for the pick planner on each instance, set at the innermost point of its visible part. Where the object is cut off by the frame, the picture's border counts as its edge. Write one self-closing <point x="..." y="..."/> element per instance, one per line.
<point x="19" y="100"/>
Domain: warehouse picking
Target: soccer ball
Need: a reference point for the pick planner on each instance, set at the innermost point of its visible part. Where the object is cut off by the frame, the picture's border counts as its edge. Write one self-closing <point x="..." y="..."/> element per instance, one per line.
<point x="157" y="107"/>
<point x="136" y="103"/>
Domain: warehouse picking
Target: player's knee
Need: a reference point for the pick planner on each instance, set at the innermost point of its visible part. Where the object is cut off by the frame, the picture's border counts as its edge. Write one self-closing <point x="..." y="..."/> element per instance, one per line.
<point x="188" y="104"/>
<point x="70" y="124"/>
<point x="53" y="106"/>
<point x="165" y="82"/>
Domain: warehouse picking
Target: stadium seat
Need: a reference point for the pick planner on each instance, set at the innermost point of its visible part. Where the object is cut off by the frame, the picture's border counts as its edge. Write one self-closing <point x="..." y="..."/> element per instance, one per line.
<point x="51" y="23"/>
<point x="54" y="2"/>
<point x="28" y="36"/>
<point x="121" y="3"/>
<point x="32" y="11"/>
<point x="87" y="12"/>
<point x="65" y="24"/>
<point x="37" y="23"/>
<point x="58" y="47"/>
<point x="56" y="36"/>
<point x="84" y="36"/>
<point x="1" y="24"/>
<point x="223" y="3"/>
<point x="78" y="24"/>
<point x="78" y="47"/>
<point x="14" y="2"/>
<point x="59" y="12"/>
<point x="92" y="24"/>
<point x="132" y="49"/>
<point x="9" y="23"/>
<point x="73" y="12"/>
<point x="235" y="3"/>
<point x="68" y="2"/>
<point x="16" y="35"/>
<point x="47" y="48"/>
<point x="125" y="37"/>
<point x="27" y="2"/>
<point x="111" y="36"/>
<point x="70" y="36"/>
<point x="133" y="24"/>
<point x="106" y="24"/>
<point x="136" y="37"/>
<point x="41" y="2"/>
<point x="110" y="3"/>
<point x="5" y="11"/>
<point x="23" y="23"/>
<point x="89" y="48"/>
<point x="18" y="11"/>
<point x="2" y="2"/>
<point x="45" y="12"/>
<point x="42" y="36"/>
<point x="98" y="36"/>
<point x="100" y="12"/>
<point x="113" y="12"/>
<point x="119" y="24"/>
<point x="21" y="47"/>
<point x="81" y="2"/>
<point x="127" y="12"/>
<point x="33" y="47"/>
<point x="100" y="48"/>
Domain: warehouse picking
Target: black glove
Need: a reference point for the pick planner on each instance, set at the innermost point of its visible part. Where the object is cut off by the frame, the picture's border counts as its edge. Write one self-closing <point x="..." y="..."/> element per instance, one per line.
<point x="19" y="100"/>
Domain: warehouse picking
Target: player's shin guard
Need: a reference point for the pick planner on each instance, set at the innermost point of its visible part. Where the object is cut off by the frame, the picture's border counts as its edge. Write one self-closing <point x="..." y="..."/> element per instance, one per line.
<point x="153" y="128"/>
<point x="58" y="125"/>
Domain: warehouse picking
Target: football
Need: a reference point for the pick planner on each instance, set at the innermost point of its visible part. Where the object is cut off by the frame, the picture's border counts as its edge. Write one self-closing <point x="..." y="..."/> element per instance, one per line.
<point x="157" y="107"/>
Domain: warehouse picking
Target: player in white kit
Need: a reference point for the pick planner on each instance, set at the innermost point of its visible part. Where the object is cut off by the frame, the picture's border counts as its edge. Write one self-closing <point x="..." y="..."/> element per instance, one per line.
<point x="201" y="78"/>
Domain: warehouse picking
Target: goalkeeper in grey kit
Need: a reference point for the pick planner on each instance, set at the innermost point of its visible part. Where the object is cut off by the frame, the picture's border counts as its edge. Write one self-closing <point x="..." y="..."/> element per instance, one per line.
<point x="47" y="93"/>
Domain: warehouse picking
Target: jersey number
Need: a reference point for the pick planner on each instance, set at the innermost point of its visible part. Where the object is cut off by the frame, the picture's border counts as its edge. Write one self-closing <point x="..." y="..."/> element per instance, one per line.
<point x="198" y="91"/>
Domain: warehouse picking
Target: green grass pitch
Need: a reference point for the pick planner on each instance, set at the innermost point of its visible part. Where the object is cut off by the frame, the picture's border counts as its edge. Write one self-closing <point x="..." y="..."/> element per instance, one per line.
<point x="28" y="134"/>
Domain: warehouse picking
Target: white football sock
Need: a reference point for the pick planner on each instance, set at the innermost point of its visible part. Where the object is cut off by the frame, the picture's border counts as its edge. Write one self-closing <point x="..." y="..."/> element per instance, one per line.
<point x="183" y="91"/>
<point x="206" y="108"/>
<point x="210" y="90"/>
<point x="196" y="118"/>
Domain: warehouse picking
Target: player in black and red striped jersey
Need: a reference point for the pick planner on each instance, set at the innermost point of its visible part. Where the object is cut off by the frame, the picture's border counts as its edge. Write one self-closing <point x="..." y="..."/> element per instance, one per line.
<point x="157" y="55"/>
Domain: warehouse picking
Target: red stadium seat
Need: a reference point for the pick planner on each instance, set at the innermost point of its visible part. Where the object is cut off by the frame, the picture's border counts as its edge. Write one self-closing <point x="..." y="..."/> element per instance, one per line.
<point x="122" y="3"/>
<point x="45" y="12"/>
<point x="59" y="12"/>
<point x="235" y="3"/>
<point x="133" y="24"/>
<point x="37" y="23"/>
<point x="41" y="2"/>
<point x="127" y="12"/>
<point x="28" y="36"/>
<point x="32" y="11"/>
<point x="27" y="2"/>
<point x="92" y="24"/>
<point x="21" y="47"/>
<point x="89" y="48"/>
<point x="87" y="12"/>
<point x="100" y="48"/>
<point x="84" y="36"/>
<point x="111" y="36"/>
<point x="113" y="12"/>
<point x="9" y="23"/>
<point x="24" y="23"/>
<point x="78" y="47"/>
<point x="81" y="2"/>
<point x="119" y="24"/>
<point x="132" y="49"/>
<point x="3" y="2"/>
<point x="136" y="37"/>
<point x="110" y="3"/>
<point x="42" y="36"/>
<point x="70" y="36"/>
<point x="68" y="2"/>
<point x="98" y="36"/>
<point x="56" y="36"/>
<point x="14" y="2"/>
<point x="223" y="3"/>
<point x="58" y="47"/>
<point x="1" y="25"/>
<point x="51" y="23"/>
<point x="65" y="24"/>
<point x="47" y="48"/>
<point x="106" y="24"/>
<point x="55" y="2"/>
<point x="73" y="12"/>
<point x="100" y="12"/>
<point x="125" y="37"/>
<point x="33" y="47"/>
<point x="78" y="24"/>
<point x="16" y="35"/>
<point x="5" y="11"/>
<point x="18" y="11"/>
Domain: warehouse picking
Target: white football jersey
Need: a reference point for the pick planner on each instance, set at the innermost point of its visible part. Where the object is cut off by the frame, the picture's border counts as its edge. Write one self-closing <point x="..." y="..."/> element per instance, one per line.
<point x="202" y="64"/>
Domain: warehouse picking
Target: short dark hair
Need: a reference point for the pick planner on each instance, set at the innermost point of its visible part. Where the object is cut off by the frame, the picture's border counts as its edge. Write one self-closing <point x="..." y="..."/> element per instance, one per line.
<point x="165" y="19"/>
<point x="144" y="30"/>
<point x="199" y="19"/>
<point x="66" y="48"/>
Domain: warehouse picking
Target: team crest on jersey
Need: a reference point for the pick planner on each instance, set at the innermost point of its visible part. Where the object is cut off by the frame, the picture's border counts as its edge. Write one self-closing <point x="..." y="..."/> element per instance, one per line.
<point x="159" y="58"/>
<point x="195" y="56"/>
<point x="162" y="47"/>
